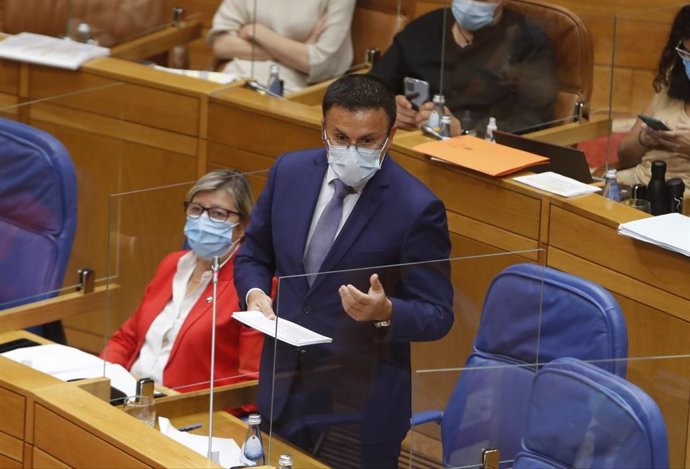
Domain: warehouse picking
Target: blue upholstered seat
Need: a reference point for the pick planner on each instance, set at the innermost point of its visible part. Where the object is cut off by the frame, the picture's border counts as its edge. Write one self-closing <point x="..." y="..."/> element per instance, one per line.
<point x="581" y="416"/>
<point x="38" y="213"/>
<point x="531" y="316"/>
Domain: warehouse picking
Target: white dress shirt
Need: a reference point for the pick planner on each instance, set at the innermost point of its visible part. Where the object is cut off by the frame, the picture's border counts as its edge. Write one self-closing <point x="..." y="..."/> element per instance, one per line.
<point x="160" y="337"/>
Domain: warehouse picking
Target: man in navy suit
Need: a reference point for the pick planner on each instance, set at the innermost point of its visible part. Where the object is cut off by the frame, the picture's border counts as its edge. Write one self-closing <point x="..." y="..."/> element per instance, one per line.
<point x="376" y="290"/>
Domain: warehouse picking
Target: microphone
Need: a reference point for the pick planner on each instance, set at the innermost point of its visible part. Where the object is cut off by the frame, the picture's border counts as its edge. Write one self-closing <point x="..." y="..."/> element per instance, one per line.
<point x="215" y="266"/>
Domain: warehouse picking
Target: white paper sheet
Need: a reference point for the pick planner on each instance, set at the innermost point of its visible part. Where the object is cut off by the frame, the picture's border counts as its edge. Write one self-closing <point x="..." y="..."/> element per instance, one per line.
<point x="68" y="363"/>
<point x="288" y="331"/>
<point x="557" y="184"/>
<point x="229" y="451"/>
<point x="215" y="77"/>
<point x="670" y="231"/>
<point x="51" y="51"/>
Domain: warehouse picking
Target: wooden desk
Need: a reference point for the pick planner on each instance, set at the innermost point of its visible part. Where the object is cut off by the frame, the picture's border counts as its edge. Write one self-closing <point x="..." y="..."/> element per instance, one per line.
<point x="174" y="128"/>
<point x="48" y="422"/>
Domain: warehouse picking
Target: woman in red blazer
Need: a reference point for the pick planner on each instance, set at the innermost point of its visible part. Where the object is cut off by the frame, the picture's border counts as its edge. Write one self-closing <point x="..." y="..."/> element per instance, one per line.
<point x="169" y="336"/>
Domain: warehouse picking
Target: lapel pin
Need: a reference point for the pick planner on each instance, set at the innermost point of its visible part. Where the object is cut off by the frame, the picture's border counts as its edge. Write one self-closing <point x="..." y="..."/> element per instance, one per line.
<point x="209" y="299"/>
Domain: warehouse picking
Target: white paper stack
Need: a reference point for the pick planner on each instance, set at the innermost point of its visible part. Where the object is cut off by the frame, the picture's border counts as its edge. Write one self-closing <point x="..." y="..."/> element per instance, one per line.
<point x="288" y="331"/>
<point x="670" y="231"/>
<point x="557" y="184"/>
<point x="69" y="363"/>
<point x="51" y="51"/>
<point x="215" y="77"/>
<point x="229" y="452"/>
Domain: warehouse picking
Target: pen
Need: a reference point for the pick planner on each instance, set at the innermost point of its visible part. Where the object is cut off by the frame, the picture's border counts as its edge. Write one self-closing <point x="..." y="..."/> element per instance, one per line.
<point x="192" y="426"/>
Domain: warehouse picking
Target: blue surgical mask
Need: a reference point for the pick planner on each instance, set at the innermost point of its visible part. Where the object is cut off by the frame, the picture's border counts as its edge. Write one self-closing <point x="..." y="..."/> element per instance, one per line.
<point x="686" y="64"/>
<point x="472" y="15"/>
<point x="354" y="166"/>
<point x="209" y="238"/>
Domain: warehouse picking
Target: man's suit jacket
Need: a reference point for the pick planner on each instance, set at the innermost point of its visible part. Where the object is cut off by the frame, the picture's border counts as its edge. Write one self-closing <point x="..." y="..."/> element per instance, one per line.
<point x="396" y="220"/>
<point x="189" y="365"/>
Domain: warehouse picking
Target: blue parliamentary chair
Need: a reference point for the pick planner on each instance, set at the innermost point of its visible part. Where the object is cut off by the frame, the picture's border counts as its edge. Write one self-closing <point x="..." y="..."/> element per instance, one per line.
<point x="581" y="416"/>
<point x="531" y="316"/>
<point x="38" y="217"/>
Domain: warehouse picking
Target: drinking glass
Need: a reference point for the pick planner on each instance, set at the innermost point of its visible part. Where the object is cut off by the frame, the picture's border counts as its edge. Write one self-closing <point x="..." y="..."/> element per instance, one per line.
<point x="142" y="408"/>
<point x="639" y="204"/>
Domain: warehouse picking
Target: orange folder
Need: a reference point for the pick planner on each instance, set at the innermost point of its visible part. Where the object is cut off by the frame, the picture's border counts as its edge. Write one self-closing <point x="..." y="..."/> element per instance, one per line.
<point x="481" y="155"/>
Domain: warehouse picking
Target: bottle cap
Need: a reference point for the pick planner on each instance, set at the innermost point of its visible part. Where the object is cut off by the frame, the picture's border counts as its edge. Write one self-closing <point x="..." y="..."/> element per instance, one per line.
<point x="83" y="28"/>
<point x="445" y="119"/>
<point x="273" y="69"/>
<point x="439" y="99"/>
<point x="492" y="122"/>
<point x="658" y="167"/>
<point x="254" y="419"/>
<point x="285" y="460"/>
<point x="611" y="173"/>
<point x="675" y="187"/>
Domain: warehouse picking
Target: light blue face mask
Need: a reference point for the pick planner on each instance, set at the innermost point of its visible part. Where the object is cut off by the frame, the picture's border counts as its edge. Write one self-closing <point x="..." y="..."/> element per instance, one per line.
<point x="209" y="238"/>
<point x="472" y="15"/>
<point x="686" y="64"/>
<point x="352" y="166"/>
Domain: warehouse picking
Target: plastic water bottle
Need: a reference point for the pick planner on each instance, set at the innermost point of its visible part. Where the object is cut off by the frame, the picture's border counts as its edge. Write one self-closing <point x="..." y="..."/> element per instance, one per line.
<point x="445" y="126"/>
<point x="275" y="84"/>
<point x="253" y="446"/>
<point x="178" y="57"/>
<point x="657" y="193"/>
<point x="611" y="190"/>
<point x="437" y="112"/>
<point x="490" y="130"/>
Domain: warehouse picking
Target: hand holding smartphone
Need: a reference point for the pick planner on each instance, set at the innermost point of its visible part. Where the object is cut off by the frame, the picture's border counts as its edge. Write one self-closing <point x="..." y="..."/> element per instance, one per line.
<point x="416" y="91"/>
<point x="653" y="123"/>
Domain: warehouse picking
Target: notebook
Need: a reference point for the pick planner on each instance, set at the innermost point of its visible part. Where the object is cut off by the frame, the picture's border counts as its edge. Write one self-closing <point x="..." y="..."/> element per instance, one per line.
<point x="566" y="161"/>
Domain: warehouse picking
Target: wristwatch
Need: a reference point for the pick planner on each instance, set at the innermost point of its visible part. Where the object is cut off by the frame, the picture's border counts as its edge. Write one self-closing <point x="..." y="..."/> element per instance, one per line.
<point x="379" y="324"/>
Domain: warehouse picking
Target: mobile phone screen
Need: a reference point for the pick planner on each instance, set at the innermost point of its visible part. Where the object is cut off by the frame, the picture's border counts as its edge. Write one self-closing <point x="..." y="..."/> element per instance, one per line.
<point x="652" y="122"/>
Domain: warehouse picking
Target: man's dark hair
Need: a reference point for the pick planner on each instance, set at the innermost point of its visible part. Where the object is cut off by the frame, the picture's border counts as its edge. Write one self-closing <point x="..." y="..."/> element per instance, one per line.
<point x="358" y="92"/>
<point x="671" y="70"/>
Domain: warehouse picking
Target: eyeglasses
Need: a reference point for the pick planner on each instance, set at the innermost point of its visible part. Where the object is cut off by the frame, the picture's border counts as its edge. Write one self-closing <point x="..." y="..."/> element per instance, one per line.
<point x="217" y="214"/>
<point x="682" y="53"/>
<point x="341" y="140"/>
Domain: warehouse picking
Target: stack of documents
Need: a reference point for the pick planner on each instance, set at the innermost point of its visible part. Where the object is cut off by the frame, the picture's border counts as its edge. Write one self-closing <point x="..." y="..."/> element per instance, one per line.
<point x="69" y="363"/>
<point x="557" y="184"/>
<point x="51" y="51"/>
<point x="670" y="231"/>
<point x="215" y="77"/>
<point x="227" y="449"/>
<point x="288" y="331"/>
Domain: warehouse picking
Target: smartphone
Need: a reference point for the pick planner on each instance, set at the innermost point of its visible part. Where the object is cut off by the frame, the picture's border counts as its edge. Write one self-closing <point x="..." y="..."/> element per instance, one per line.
<point x="416" y="91"/>
<point x="655" y="124"/>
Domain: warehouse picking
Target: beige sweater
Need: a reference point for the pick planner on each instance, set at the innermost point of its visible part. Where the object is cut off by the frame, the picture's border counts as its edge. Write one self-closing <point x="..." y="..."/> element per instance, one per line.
<point x="329" y="57"/>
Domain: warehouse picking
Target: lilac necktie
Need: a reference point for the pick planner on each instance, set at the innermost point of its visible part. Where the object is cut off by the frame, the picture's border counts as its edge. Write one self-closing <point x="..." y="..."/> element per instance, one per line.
<point x="325" y="230"/>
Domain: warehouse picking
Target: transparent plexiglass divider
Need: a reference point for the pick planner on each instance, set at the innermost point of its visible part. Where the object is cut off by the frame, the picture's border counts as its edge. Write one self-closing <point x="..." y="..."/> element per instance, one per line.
<point x="56" y="152"/>
<point x="635" y="69"/>
<point x="161" y="315"/>
<point x="111" y="24"/>
<point x="348" y="397"/>
<point x="567" y="412"/>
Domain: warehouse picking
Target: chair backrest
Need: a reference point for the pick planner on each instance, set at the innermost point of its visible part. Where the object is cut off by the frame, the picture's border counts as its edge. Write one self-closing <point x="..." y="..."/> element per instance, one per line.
<point x="374" y="28"/>
<point x="531" y="316"/>
<point x="583" y="416"/>
<point x="573" y="49"/>
<point x="38" y="212"/>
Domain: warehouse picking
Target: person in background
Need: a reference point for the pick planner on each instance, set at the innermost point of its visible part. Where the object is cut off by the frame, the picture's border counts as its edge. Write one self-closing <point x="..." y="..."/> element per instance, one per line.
<point x="346" y="208"/>
<point x="671" y="105"/>
<point x="308" y="39"/>
<point x="169" y="336"/>
<point x="497" y="64"/>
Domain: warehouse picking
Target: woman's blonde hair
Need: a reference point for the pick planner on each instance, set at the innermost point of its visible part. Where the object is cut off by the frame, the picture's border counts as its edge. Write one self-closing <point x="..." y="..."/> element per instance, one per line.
<point x="230" y="180"/>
